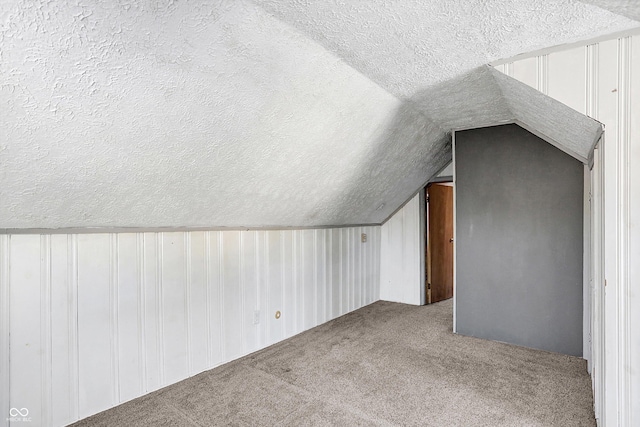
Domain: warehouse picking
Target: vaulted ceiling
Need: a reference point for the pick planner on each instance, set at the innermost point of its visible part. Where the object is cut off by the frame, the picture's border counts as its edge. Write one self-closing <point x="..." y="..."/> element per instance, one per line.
<point x="266" y="113"/>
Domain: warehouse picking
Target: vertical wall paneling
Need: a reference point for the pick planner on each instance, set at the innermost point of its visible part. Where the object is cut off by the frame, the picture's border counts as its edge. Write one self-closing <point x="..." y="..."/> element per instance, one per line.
<point x="400" y="256"/>
<point x="526" y="71"/>
<point x="54" y="323"/>
<point x="608" y="108"/>
<point x="96" y="379"/>
<point x="261" y="303"/>
<point x="198" y="281"/>
<point x="634" y="232"/>
<point x="63" y="329"/>
<point x="232" y="308"/>
<point x="306" y="285"/>
<point x="592" y="80"/>
<point x="130" y="372"/>
<point x="589" y="278"/>
<point x="358" y="251"/>
<point x="113" y="316"/>
<point x="328" y="274"/>
<point x="350" y="232"/>
<point x="386" y="263"/>
<point x="336" y="274"/>
<point x="296" y="298"/>
<point x="566" y="79"/>
<point x="597" y="298"/>
<point x="249" y="291"/>
<point x="623" y="221"/>
<point x="350" y="268"/>
<point x="408" y="223"/>
<point x="293" y="304"/>
<point x="140" y="315"/>
<point x="215" y="299"/>
<point x="25" y="323"/>
<point x="160" y="305"/>
<point x="324" y="278"/>
<point x="4" y="328"/>
<point x="273" y="286"/>
<point x="363" y="262"/>
<point x="45" y="327"/>
<point x="508" y="68"/>
<point x="586" y="269"/>
<point x="174" y="307"/>
<point x="25" y="340"/>
<point x="241" y="292"/>
<point x="151" y="316"/>
<point x="607" y="113"/>
<point x="357" y="263"/>
<point x="345" y="261"/>
<point x="187" y="300"/>
<point x="371" y="265"/>
<point x="542" y="73"/>
<point x="74" y="347"/>
<point x="89" y="321"/>
<point x="318" y="280"/>
<point x="600" y="80"/>
<point x="378" y="261"/>
<point x="288" y="279"/>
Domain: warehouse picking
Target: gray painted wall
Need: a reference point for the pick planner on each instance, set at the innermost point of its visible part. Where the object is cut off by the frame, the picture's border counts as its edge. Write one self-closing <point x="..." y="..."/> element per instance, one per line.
<point x="519" y="241"/>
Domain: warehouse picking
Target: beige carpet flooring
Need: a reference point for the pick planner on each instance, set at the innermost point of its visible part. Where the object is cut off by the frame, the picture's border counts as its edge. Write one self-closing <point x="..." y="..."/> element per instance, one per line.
<point x="385" y="364"/>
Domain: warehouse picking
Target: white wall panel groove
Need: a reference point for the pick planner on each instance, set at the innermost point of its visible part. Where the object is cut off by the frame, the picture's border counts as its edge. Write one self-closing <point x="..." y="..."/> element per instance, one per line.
<point x="633" y="254"/>
<point x="402" y="255"/>
<point x="141" y="309"/>
<point x="95" y="320"/>
<point x="600" y="80"/>
<point x="623" y="221"/>
<point x="45" y="325"/>
<point x="4" y="325"/>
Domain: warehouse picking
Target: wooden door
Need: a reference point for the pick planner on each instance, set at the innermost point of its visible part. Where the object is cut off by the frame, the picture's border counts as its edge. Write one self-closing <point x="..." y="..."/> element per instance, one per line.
<point x="440" y="242"/>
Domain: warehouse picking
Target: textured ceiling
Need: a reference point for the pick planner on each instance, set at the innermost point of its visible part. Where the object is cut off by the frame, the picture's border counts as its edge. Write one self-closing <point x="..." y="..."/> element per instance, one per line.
<point x="408" y="45"/>
<point x="628" y="8"/>
<point x="151" y="114"/>
<point x="567" y="129"/>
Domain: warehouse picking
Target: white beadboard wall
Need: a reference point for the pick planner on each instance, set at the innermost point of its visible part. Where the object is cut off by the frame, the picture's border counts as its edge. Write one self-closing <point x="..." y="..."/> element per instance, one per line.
<point x="402" y="260"/>
<point x="602" y="80"/>
<point x="88" y="321"/>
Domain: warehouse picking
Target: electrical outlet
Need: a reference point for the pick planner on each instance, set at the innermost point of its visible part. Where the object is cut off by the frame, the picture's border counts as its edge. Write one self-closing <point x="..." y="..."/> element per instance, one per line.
<point x="363" y="237"/>
<point x="256" y="317"/>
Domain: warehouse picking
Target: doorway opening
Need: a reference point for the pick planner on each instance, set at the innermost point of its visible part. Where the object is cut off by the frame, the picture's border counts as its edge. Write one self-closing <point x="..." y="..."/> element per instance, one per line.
<point x="439" y="240"/>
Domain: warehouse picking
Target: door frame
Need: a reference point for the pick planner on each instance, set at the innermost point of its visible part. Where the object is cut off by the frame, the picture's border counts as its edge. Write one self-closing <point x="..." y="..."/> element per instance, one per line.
<point x="427" y="261"/>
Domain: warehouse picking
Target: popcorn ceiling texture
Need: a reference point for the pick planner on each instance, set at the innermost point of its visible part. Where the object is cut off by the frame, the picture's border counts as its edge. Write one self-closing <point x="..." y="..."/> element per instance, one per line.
<point x="189" y="115"/>
<point x="152" y="114"/>
<point x="628" y="8"/>
<point x="485" y="96"/>
<point x="408" y="45"/>
<point x="575" y="132"/>
<point x="471" y="99"/>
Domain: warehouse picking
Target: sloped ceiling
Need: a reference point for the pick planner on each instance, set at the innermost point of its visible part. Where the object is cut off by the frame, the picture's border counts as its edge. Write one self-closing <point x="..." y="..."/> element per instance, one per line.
<point x="153" y="114"/>
<point x="628" y="8"/>
<point x="408" y="45"/>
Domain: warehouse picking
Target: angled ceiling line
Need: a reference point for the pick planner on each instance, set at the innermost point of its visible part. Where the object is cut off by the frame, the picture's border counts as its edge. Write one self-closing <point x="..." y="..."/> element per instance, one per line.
<point x="566" y="46"/>
<point x="628" y="9"/>
<point x="343" y="60"/>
